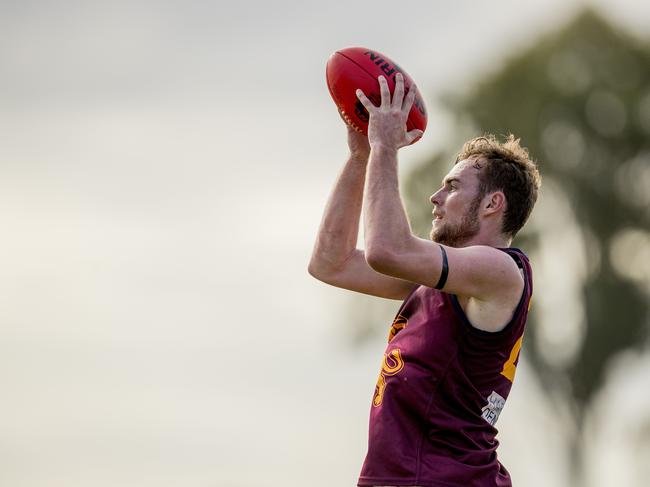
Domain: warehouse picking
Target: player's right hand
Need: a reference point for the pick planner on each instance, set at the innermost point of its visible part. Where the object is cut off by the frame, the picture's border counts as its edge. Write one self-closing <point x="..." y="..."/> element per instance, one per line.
<point x="358" y="144"/>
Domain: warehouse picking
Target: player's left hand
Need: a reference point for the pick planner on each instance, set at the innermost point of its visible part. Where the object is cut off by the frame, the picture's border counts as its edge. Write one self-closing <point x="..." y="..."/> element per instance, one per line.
<point x="387" y="124"/>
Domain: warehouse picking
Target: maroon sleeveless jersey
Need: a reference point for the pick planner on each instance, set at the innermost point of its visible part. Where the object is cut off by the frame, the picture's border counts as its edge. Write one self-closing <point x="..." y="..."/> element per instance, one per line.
<point x="441" y="388"/>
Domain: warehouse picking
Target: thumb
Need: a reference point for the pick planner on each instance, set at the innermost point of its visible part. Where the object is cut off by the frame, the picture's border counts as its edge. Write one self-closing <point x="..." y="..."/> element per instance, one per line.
<point x="413" y="135"/>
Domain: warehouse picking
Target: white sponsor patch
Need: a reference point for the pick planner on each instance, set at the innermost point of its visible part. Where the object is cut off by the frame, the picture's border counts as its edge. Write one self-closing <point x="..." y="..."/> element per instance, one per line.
<point x="492" y="409"/>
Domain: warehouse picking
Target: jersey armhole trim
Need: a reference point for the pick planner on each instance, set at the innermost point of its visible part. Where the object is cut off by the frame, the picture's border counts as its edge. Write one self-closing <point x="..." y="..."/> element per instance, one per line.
<point x="515" y="316"/>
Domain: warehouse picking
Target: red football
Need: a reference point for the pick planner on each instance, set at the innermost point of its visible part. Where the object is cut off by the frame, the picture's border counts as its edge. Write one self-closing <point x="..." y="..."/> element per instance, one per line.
<point x="356" y="67"/>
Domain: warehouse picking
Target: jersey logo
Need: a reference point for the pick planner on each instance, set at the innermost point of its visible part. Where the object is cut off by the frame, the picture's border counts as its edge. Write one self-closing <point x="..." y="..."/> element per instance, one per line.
<point x="399" y="323"/>
<point x="390" y="366"/>
<point x="493" y="408"/>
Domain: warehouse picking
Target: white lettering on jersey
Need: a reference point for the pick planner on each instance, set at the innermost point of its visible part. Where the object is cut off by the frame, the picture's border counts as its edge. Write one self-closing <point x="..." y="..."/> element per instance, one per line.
<point x="491" y="411"/>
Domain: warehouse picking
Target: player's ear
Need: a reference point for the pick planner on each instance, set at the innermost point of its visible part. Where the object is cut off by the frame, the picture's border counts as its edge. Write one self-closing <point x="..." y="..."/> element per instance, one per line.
<point x="495" y="201"/>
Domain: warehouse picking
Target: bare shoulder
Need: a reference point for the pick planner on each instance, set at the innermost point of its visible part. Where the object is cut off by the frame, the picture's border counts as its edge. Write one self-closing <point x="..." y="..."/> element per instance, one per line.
<point x="482" y="272"/>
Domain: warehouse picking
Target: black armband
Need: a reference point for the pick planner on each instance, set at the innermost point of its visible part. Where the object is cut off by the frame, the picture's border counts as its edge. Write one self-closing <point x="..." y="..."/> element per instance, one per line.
<point x="445" y="269"/>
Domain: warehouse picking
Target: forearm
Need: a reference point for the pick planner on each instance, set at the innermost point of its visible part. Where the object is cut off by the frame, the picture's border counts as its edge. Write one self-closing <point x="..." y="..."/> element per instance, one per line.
<point x="339" y="228"/>
<point x="387" y="229"/>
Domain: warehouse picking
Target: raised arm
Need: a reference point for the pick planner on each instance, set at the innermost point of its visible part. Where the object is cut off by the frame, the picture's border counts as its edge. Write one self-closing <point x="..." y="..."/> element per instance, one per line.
<point x="484" y="275"/>
<point x="335" y="258"/>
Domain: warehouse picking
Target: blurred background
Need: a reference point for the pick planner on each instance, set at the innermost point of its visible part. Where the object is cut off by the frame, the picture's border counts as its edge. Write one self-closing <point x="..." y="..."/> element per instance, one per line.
<point x="163" y="169"/>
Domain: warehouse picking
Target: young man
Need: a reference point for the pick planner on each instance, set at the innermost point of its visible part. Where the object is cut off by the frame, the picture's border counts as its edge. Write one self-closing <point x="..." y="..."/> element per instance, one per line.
<point x="454" y="345"/>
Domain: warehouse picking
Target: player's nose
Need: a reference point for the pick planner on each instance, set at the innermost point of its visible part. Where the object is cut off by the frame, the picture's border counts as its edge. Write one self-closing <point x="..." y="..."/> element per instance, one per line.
<point x="436" y="198"/>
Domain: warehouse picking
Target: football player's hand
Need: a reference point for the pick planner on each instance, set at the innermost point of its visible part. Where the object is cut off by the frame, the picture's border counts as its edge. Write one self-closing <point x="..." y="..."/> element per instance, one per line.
<point x="387" y="124"/>
<point x="357" y="143"/>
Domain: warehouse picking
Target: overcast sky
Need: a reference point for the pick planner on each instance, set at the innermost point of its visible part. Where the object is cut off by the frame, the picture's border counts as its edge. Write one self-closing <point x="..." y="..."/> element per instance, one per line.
<point x="163" y="168"/>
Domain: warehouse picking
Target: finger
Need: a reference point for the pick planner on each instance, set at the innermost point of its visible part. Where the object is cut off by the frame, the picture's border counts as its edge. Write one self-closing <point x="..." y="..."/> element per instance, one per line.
<point x="365" y="101"/>
<point x="398" y="96"/>
<point x="413" y="135"/>
<point x="409" y="100"/>
<point x="385" y="92"/>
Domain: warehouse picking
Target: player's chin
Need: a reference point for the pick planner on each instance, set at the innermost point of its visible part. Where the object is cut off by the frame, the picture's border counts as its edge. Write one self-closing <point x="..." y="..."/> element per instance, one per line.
<point x="439" y="234"/>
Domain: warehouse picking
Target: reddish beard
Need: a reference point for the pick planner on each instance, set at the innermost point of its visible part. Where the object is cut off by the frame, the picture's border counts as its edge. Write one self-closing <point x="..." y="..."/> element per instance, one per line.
<point x="457" y="234"/>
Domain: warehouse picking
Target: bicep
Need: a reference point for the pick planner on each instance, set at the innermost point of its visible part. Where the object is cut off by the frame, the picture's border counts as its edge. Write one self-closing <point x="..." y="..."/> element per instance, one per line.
<point x="479" y="271"/>
<point x="357" y="275"/>
<point x="482" y="272"/>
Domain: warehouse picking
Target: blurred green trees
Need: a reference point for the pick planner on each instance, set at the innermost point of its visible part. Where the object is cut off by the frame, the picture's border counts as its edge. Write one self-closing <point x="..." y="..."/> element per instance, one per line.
<point x="580" y="101"/>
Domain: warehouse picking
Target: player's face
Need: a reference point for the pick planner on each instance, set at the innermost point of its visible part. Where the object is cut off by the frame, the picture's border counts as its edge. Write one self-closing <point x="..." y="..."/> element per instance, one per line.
<point x="456" y="206"/>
